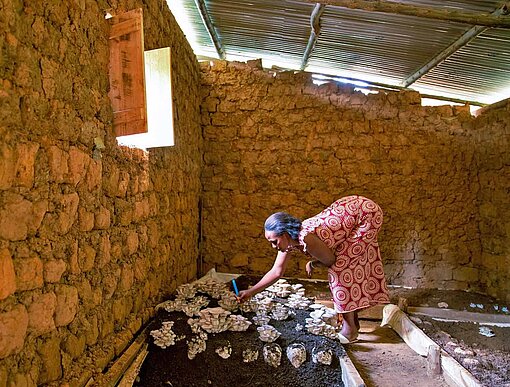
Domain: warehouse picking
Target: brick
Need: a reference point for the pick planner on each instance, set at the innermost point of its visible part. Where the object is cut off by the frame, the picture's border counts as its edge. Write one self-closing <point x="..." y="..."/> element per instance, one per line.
<point x="75" y="345"/>
<point x="467" y="274"/>
<point x="144" y="182"/>
<point x="51" y="367"/>
<point x="104" y="251"/>
<point x="7" y="166"/>
<point x="17" y="218"/>
<point x="141" y="210"/>
<point x="53" y="270"/>
<point x="26" y="153"/>
<point x="86" y="220"/>
<point x="94" y="174"/>
<point x="13" y="328"/>
<point x="121" y="308"/>
<point x="40" y="314"/>
<point x="58" y="161"/>
<point x="7" y="274"/>
<point x="29" y="273"/>
<point x="68" y="212"/>
<point x="111" y="180"/>
<point x="239" y="260"/>
<point x="87" y="256"/>
<point x="74" y="267"/>
<point x="78" y="164"/>
<point x="102" y="219"/>
<point x="66" y="304"/>
<point x="132" y="242"/>
<point x="123" y="184"/>
<point x="126" y="278"/>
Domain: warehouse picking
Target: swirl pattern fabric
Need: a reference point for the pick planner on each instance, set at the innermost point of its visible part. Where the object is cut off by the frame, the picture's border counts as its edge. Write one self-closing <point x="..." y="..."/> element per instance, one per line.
<point x="350" y="227"/>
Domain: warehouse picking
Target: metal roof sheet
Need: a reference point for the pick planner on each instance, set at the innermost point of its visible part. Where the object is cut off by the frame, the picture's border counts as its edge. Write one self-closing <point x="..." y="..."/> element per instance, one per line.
<point x="373" y="46"/>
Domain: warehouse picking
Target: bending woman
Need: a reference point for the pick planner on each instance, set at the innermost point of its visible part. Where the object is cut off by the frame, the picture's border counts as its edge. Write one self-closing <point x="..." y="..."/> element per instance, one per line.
<point x="343" y="237"/>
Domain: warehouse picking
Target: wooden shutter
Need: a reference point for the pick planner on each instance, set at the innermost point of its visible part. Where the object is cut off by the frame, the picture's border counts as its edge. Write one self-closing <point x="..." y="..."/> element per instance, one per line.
<point x="127" y="85"/>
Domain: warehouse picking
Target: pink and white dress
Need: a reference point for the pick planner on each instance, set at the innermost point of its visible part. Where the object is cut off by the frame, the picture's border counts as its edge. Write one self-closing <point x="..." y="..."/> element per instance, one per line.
<point x="349" y="227"/>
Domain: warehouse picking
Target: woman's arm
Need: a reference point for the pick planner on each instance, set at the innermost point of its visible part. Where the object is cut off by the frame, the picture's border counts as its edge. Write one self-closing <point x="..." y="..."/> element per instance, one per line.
<point x="269" y="278"/>
<point x="319" y="250"/>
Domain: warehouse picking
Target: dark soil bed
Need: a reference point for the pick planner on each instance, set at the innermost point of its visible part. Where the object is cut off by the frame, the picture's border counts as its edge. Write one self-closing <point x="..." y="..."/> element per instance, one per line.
<point x="171" y="366"/>
<point x="491" y="355"/>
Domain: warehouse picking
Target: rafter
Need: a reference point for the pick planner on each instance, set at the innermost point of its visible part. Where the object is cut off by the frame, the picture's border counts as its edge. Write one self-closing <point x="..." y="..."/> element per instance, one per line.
<point x="209" y="26"/>
<point x="472" y="18"/>
<point x="467" y="37"/>
<point x="315" y="24"/>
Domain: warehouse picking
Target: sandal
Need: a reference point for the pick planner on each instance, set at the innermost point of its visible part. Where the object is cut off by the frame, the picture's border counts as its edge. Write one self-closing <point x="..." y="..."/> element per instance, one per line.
<point x="345" y="340"/>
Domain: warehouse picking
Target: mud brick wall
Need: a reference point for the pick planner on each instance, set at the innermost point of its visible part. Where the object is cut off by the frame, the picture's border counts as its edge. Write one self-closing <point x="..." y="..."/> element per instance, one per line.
<point x="88" y="245"/>
<point x="277" y="142"/>
<point x="493" y="156"/>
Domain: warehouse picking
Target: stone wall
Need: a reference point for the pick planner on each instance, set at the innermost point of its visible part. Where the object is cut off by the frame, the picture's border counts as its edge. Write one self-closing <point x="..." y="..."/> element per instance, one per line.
<point x="493" y="157"/>
<point x="274" y="141"/>
<point x="89" y="242"/>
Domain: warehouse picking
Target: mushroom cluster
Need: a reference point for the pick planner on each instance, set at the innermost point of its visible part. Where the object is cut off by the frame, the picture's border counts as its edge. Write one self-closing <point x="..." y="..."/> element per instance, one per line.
<point x="224" y="351"/>
<point x="186" y="291"/>
<point x="281" y="312"/>
<point x="193" y="307"/>
<point x="228" y="301"/>
<point x="214" y="288"/>
<point x="298" y="301"/>
<point x="197" y="344"/>
<point x="261" y="319"/>
<point x="322" y="321"/>
<point x="268" y="333"/>
<point x="250" y="354"/>
<point x="214" y="320"/>
<point x="322" y="355"/>
<point x="248" y="306"/>
<point x="319" y="327"/>
<point x="280" y="288"/>
<point x="267" y="305"/>
<point x="296" y="353"/>
<point x="172" y="305"/>
<point x="324" y="313"/>
<point x="272" y="354"/>
<point x="164" y="337"/>
<point x="238" y="323"/>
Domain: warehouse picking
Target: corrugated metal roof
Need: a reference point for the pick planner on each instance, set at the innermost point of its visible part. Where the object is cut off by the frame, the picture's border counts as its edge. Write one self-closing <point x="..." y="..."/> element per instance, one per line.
<point x="373" y="46"/>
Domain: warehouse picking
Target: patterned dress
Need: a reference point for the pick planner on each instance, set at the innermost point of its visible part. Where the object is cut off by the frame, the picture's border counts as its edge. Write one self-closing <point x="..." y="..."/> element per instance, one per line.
<point x="349" y="227"/>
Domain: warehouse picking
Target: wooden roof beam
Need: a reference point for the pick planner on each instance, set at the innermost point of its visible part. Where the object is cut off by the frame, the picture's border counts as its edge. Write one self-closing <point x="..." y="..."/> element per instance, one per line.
<point x="209" y="26"/>
<point x="465" y="17"/>
<point x="315" y="24"/>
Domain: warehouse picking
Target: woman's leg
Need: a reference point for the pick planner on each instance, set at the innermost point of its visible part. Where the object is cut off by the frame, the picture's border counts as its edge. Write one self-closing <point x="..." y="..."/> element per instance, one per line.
<point x="350" y="326"/>
<point x="340" y="319"/>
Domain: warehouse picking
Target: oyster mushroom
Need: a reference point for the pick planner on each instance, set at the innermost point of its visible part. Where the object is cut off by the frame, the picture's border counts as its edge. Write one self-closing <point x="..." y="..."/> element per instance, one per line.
<point x="296" y="353"/>
<point x="272" y="354"/>
<point x="268" y="333"/>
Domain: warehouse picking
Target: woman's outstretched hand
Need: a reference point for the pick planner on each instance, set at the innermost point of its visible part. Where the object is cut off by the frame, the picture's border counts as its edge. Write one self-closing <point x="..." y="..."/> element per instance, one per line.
<point x="243" y="296"/>
<point x="309" y="268"/>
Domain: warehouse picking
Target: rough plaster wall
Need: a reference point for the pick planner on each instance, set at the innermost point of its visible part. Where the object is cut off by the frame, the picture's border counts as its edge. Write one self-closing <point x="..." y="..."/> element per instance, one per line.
<point x="87" y="246"/>
<point x="276" y="142"/>
<point x="493" y="156"/>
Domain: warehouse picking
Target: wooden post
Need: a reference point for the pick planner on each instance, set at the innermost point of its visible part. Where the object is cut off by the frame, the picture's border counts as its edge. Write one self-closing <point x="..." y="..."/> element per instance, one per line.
<point x="403" y="304"/>
<point x="434" y="360"/>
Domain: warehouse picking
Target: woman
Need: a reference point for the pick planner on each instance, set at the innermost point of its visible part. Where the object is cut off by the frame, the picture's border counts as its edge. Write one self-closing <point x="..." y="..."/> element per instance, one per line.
<point x="343" y="238"/>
